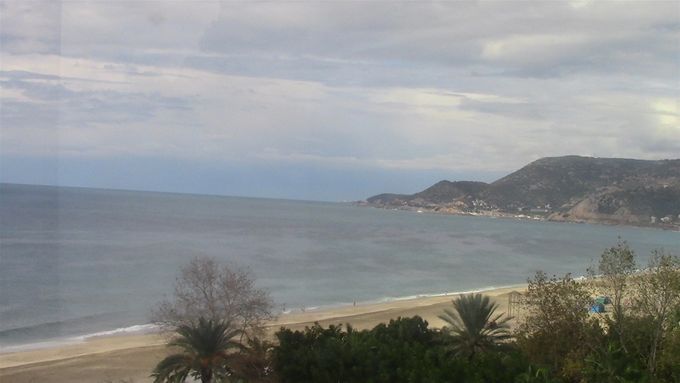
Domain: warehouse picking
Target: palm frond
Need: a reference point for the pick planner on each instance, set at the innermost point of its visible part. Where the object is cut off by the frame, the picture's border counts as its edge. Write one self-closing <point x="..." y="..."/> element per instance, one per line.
<point x="474" y="326"/>
<point x="207" y="352"/>
<point x="173" y="369"/>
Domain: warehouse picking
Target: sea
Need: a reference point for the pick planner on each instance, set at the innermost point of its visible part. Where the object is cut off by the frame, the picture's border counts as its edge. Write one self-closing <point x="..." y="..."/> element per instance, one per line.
<point x="77" y="262"/>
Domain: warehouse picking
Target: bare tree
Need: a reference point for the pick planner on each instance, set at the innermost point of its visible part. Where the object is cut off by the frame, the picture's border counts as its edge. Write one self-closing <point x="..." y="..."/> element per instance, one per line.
<point x="206" y="289"/>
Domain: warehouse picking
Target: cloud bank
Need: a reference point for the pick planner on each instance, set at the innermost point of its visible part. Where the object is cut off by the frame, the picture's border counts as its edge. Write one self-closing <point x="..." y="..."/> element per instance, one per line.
<point x="470" y="87"/>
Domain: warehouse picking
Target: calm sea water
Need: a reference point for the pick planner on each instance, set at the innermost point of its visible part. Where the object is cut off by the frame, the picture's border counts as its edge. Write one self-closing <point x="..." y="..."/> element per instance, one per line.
<point x="81" y="261"/>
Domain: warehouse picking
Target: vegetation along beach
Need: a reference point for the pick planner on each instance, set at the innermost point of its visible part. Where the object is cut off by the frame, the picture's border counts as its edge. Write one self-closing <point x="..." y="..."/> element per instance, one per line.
<point x="561" y="329"/>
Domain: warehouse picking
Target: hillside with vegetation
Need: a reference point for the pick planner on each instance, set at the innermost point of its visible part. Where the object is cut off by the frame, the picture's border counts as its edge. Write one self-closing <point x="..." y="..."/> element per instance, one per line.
<point x="571" y="188"/>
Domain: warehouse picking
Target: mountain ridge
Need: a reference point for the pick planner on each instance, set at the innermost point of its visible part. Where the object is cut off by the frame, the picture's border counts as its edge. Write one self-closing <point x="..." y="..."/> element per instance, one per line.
<point x="569" y="188"/>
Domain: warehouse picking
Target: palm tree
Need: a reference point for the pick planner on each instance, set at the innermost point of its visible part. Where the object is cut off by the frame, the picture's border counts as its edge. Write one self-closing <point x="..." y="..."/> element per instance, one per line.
<point x="473" y="325"/>
<point x="206" y="351"/>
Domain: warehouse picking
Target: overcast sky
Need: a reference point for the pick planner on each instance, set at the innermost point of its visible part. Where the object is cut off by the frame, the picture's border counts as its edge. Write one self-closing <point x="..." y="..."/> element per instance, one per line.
<point x="329" y="100"/>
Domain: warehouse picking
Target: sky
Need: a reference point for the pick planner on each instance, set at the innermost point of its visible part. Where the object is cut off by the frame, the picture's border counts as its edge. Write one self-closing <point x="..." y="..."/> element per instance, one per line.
<point x="328" y="100"/>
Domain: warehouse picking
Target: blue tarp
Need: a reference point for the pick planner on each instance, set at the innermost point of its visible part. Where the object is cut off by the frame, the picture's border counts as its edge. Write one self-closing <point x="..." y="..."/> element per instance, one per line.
<point x="597" y="308"/>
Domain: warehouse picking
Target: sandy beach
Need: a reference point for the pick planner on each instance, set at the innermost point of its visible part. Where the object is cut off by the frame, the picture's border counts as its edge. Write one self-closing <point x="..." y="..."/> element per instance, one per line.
<point x="131" y="358"/>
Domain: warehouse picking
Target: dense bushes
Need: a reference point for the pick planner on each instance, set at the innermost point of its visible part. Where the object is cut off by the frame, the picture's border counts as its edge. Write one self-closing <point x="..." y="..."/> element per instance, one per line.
<point x="404" y="350"/>
<point x="556" y="339"/>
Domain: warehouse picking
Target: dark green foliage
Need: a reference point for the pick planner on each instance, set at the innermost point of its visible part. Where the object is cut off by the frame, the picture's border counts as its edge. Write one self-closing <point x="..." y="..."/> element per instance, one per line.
<point x="474" y="326"/>
<point x="535" y="375"/>
<point x="206" y="352"/>
<point x="611" y="364"/>
<point x="254" y="363"/>
<point x="501" y="365"/>
<point x="668" y="369"/>
<point x="557" y="342"/>
<point x="404" y="350"/>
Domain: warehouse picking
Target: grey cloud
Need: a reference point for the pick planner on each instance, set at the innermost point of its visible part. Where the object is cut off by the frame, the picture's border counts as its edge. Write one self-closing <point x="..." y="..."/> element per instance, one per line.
<point x="379" y="43"/>
<point x="577" y="79"/>
<point x="26" y="75"/>
<point x="433" y="44"/>
<point x="661" y="146"/>
<point x="515" y="110"/>
<point x="16" y="114"/>
<point x="11" y="75"/>
<point x="30" y="27"/>
<point x="80" y="107"/>
<point x="542" y="39"/>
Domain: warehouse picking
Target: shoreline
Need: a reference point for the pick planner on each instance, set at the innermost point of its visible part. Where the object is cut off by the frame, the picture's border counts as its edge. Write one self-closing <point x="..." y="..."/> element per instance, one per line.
<point x="135" y="354"/>
<point x="519" y="217"/>
<point x="149" y="328"/>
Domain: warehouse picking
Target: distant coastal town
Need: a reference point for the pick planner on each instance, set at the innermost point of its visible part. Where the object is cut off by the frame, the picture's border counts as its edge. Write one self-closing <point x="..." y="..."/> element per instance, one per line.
<point x="562" y="189"/>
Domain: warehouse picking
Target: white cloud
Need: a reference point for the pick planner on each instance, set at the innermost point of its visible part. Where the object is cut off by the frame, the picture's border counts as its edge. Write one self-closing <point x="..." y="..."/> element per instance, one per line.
<point x="462" y="86"/>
